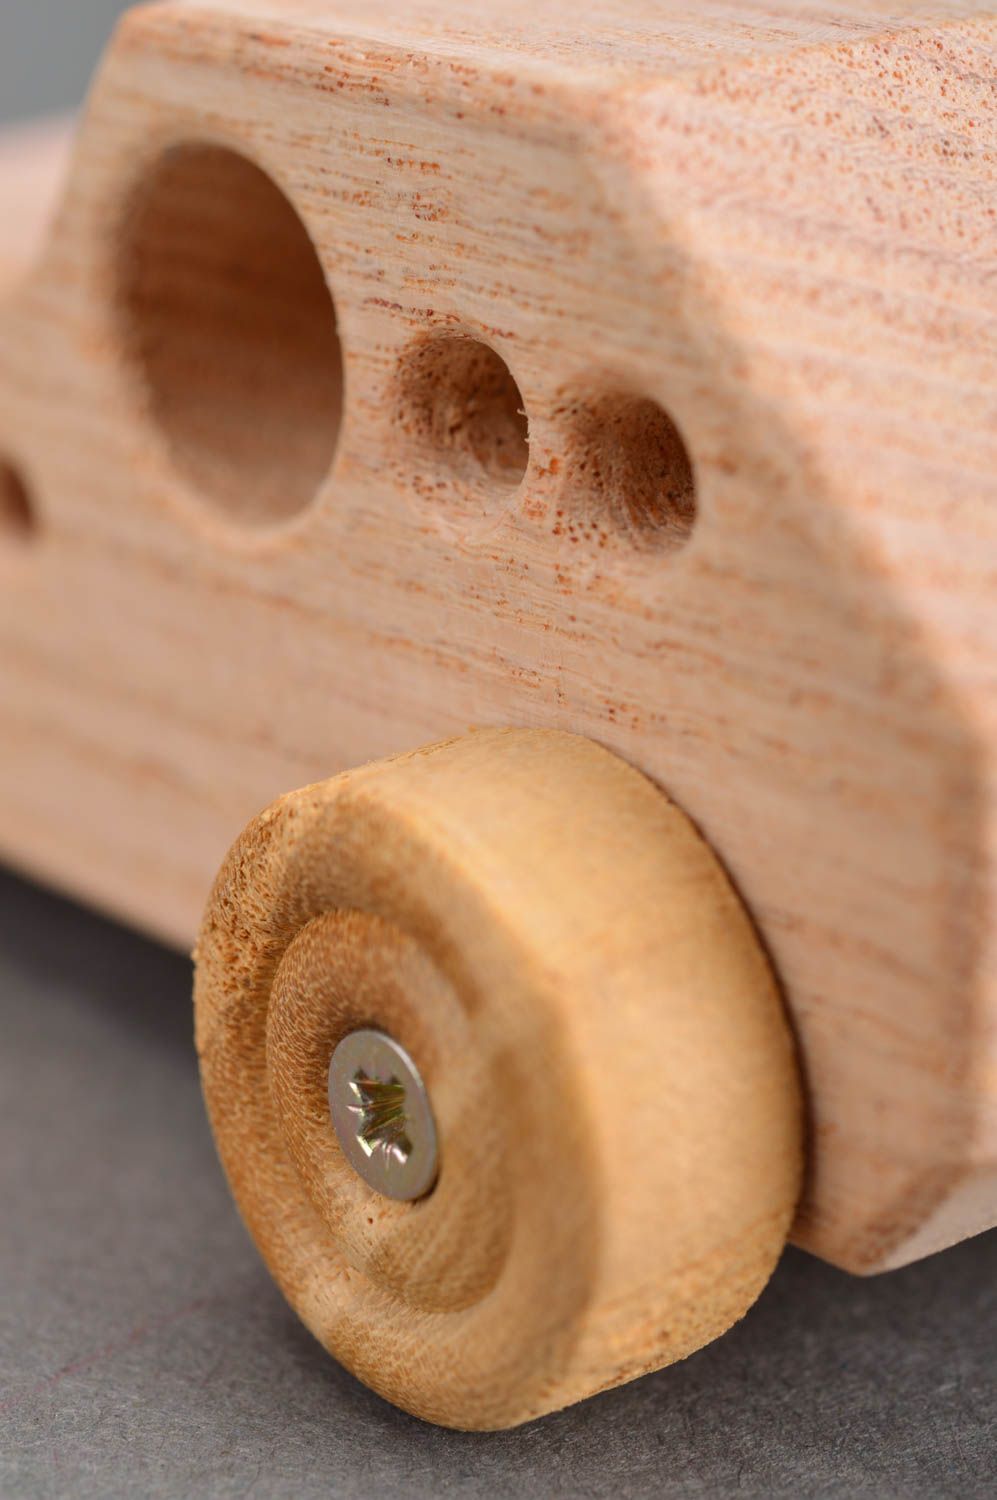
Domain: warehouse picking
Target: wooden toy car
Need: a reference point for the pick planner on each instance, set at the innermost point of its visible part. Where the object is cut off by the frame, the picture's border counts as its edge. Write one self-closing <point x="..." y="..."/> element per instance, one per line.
<point x="606" y="401"/>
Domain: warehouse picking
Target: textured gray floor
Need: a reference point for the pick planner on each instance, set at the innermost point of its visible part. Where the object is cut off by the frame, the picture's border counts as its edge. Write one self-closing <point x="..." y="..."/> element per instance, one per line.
<point x="144" y="1353"/>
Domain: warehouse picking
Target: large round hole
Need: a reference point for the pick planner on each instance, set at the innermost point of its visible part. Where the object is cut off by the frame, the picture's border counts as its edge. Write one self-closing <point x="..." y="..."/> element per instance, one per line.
<point x="18" y="519"/>
<point x="234" y="329"/>
<point x="629" y="476"/>
<point x="463" y="410"/>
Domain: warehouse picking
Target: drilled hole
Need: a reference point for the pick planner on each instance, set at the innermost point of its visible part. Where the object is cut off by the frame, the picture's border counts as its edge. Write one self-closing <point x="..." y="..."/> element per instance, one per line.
<point x="234" y="330"/>
<point x="459" y="403"/>
<point x="18" y="520"/>
<point x="629" y="475"/>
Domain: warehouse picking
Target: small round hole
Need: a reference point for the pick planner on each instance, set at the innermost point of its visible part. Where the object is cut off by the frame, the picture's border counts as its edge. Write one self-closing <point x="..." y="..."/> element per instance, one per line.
<point x="460" y="404"/>
<point x="629" y="475"/>
<point x="18" y="520"/>
<point x="234" y="330"/>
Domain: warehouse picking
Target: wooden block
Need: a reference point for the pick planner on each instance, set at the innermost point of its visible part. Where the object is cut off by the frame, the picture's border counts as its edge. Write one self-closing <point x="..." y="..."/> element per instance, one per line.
<point x="735" y="264"/>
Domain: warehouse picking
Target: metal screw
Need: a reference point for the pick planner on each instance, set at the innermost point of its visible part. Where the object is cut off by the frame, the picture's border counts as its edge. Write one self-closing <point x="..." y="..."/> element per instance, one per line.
<point x="381" y="1113"/>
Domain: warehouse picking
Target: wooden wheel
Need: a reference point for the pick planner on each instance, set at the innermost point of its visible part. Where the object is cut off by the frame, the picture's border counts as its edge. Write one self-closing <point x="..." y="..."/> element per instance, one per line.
<point x="611" y="1078"/>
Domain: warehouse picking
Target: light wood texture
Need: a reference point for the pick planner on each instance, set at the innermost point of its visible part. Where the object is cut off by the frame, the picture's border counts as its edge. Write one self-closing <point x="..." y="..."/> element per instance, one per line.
<point x="612" y="1076"/>
<point x="773" y="223"/>
<point x="34" y="161"/>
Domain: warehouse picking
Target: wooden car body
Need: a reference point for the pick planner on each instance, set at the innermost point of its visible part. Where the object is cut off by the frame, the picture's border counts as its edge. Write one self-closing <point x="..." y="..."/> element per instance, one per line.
<point x="740" y="271"/>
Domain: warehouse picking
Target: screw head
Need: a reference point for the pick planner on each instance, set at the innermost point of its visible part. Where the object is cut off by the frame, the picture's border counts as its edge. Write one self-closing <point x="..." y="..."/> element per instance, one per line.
<point x="382" y="1116"/>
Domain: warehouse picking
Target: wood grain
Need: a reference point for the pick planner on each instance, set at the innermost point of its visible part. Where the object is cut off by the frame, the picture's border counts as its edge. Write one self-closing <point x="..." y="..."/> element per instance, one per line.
<point x="749" y="246"/>
<point x="612" y="1076"/>
<point x="34" y="161"/>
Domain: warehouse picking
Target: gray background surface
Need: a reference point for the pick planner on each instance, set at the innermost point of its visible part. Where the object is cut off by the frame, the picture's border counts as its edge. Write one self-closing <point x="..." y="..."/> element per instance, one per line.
<point x="144" y="1353"/>
<point x="47" y="51"/>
